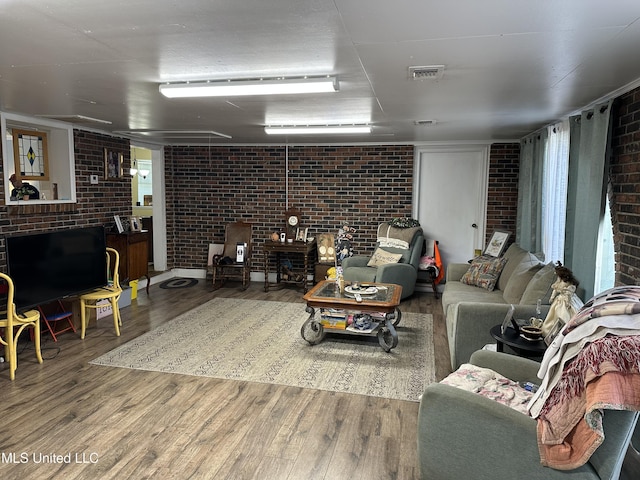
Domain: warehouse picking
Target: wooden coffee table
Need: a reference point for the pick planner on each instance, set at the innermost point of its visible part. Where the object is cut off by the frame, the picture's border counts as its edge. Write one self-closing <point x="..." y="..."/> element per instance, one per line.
<point x="383" y="304"/>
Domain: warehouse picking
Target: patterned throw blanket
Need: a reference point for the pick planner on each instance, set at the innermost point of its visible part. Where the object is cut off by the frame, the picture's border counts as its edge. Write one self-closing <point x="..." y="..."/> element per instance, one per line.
<point x="593" y="365"/>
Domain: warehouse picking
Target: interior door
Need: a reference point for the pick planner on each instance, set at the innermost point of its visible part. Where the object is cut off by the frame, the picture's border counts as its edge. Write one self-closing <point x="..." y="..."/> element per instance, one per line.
<point x="451" y="197"/>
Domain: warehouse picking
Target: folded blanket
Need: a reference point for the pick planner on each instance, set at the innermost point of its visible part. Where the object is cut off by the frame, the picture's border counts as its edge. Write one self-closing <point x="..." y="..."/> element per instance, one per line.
<point x="605" y="374"/>
<point x="490" y="384"/>
<point x="389" y="236"/>
<point x="612" y="391"/>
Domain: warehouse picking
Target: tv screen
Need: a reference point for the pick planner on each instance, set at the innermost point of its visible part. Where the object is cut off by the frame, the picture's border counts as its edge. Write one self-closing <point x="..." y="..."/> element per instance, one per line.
<point x="48" y="266"/>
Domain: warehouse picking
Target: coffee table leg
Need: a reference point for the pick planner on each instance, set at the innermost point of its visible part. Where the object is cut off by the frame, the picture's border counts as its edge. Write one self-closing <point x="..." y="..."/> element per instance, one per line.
<point x="387" y="336"/>
<point x="312" y="330"/>
<point x="398" y="316"/>
<point x="499" y="346"/>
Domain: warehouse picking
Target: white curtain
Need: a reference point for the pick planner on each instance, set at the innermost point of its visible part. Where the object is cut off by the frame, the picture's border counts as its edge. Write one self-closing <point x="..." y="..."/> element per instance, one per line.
<point x="554" y="191"/>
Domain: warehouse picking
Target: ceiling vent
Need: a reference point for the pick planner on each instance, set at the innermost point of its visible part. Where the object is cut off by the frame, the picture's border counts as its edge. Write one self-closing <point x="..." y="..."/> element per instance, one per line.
<point x="429" y="72"/>
<point x="424" y="123"/>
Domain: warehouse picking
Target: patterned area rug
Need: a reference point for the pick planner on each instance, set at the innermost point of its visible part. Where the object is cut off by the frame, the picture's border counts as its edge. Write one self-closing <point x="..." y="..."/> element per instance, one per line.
<point x="260" y="341"/>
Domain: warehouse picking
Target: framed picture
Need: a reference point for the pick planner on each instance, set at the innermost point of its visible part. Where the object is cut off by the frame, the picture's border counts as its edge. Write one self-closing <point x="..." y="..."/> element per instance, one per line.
<point x="326" y="248"/>
<point x="497" y="243"/>
<point x="301" y="234"/>
<point x="118" y="223"/>
<point x="507" y="319"/>
<point x="553" y="333"/>
<point x="136" y="224"/>
<point x="112" y="164"/>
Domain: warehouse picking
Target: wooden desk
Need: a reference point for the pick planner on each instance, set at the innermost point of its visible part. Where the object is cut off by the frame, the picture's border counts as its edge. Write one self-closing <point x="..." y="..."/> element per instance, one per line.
<point x="133" y="248"/>
<point x="279" y="248"/>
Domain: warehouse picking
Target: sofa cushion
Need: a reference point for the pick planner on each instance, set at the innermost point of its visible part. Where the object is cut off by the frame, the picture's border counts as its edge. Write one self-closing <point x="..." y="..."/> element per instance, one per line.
<point x="518" y="260"/>
<point x="484" y="272"/>
<point x="519" y="281"/>
<point x="540" y="286"/>
<point x="383" y="257"/>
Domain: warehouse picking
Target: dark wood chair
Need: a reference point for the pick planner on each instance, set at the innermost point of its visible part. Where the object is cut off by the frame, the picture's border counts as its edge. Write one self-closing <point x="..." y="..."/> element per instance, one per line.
<point x="227" y="267"/>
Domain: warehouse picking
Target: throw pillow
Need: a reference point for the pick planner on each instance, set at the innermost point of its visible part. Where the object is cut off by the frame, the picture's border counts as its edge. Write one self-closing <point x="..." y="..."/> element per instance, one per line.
<point x="518" y="283"/>
<point x="540" y="286"/>
<point x="484" y="272"/>
<point x="382" y="257"/>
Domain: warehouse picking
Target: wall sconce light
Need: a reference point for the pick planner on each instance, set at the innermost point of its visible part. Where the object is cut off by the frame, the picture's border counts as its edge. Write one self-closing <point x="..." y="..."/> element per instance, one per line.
<point x="230" y="88"/>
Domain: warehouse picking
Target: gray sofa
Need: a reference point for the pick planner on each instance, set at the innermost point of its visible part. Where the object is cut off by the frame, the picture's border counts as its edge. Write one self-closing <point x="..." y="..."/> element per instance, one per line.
<point x="471" y="311"/>
<point x="463" y="435"/>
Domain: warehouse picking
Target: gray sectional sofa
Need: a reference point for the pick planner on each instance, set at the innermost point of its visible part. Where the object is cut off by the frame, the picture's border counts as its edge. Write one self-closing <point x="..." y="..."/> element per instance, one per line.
<point x="470" y="311"/>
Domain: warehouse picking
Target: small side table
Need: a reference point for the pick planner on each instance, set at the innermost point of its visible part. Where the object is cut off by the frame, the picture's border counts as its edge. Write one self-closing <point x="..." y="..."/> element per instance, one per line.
<point x="305" y="249"/>
<point x="523" y="347"/>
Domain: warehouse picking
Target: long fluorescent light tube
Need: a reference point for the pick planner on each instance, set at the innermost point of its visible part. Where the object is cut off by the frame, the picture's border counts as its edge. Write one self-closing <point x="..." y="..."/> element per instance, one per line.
<point x="231" y="88"/>
<point x="317" y="129"/>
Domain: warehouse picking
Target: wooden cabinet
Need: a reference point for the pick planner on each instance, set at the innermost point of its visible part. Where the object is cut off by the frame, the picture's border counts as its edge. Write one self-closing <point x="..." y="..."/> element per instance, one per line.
<point x="133" y="248"/>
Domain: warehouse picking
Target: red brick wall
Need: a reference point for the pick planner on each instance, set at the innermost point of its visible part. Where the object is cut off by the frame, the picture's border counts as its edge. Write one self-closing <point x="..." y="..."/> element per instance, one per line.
<point x="502" y="197"/>
<point x="96" y="204"/>
<point x="625" y="187"/>
<point x="361" y="185"/>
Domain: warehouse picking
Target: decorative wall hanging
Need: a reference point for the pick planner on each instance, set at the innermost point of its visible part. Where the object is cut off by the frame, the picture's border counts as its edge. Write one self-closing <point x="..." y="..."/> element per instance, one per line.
<point x="112" y="164"/>
<point x="30" y="154"/>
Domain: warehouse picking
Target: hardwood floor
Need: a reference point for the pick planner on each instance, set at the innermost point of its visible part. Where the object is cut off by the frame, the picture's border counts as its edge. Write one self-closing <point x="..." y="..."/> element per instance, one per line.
<point x="68" y="419"/>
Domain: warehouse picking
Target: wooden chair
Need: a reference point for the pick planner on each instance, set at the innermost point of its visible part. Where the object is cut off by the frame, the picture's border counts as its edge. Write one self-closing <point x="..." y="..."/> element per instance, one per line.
<point x="12" y="320"/>
<point x="227" y="267"/>
<point x="109" y="292"/>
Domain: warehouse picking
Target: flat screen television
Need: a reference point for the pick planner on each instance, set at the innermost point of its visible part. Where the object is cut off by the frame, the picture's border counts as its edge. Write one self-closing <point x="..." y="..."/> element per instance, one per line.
<point x="48" y="266"/>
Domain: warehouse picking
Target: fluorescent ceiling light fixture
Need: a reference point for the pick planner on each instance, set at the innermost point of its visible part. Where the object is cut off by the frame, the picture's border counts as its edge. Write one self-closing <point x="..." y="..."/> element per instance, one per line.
<point x="78" y="118"/>
<point x="230" y="88"/>
<point x="317" y="129"/>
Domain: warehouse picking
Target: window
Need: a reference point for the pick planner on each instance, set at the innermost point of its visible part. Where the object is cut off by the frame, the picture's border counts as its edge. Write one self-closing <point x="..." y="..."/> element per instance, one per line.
<point x="40" y="151"/>
<point x="554" y="191"/>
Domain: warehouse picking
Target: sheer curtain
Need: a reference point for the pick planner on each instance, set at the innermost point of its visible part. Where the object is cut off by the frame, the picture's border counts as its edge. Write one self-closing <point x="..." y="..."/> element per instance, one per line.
<point x="554" y="191"/>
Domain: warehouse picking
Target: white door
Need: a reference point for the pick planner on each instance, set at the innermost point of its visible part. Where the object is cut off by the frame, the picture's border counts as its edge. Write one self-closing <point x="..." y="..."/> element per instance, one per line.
<point x="451" y="197"/>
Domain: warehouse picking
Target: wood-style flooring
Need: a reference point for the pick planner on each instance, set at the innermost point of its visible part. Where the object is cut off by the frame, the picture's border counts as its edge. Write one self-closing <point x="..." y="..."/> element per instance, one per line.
<point x="68" y="419"/>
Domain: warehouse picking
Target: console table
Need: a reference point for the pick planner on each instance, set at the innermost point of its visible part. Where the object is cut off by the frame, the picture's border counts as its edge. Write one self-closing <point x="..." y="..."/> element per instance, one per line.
<point x="306" y="249"/>
<point x="133" y="248"/>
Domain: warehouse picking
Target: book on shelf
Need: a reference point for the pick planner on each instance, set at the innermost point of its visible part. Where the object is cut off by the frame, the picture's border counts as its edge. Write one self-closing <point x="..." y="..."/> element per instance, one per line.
<point x="373" y="326"/>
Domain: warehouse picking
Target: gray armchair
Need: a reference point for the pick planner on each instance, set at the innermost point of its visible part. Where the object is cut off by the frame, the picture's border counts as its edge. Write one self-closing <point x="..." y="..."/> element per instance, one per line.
<point x="404" y="272"/>
<point x="464" y="435"/>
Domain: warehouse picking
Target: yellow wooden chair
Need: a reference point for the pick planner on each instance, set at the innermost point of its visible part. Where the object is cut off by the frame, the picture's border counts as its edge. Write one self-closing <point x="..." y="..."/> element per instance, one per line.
<point x="12" y="320"/>
<point x="109" y="292"/>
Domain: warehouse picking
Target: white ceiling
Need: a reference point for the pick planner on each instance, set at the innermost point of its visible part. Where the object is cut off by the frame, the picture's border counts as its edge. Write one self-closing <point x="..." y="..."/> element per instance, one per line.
<point x="511" y="66"/>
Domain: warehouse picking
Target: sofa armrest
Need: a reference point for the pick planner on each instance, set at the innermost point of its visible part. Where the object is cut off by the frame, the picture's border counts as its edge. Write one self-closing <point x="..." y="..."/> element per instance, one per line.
<point x="355" y="261"/>
<point x="455" y="271"/>
<point x="468" y="325"/>
<point x="518" y="369"/>
<point x="464" y="435"/>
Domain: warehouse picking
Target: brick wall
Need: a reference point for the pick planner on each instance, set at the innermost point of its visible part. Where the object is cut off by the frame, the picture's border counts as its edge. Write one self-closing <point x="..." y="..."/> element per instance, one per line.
<point x="96" y="204"/>
<point x="624" y="191"/>
<point x="502" y="195"/>
<point x="209" y="187"/>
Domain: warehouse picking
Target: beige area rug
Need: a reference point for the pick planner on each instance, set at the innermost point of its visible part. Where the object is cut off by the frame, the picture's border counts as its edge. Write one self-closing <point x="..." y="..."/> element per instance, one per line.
<point x="260" y="341"/>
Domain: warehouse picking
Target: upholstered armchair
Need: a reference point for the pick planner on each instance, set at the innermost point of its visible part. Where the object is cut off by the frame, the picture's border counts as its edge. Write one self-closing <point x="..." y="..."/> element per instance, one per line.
<point x="465" y="435"/>
<point x="396" y="259"/>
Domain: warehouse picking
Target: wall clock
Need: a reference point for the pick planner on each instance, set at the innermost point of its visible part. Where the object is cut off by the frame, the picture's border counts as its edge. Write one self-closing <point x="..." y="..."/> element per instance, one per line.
<point x="292" y="223"/>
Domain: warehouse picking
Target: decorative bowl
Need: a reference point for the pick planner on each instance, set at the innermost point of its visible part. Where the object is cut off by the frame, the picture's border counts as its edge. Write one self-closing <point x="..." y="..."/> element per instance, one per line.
<point x="531" y="333"/>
